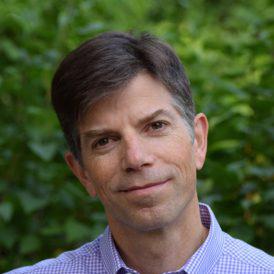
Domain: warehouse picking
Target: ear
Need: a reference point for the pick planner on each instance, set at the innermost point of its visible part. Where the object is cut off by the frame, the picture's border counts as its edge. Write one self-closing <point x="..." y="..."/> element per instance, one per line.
<point x="200" y="140"/>
<point x="79" y="171"/>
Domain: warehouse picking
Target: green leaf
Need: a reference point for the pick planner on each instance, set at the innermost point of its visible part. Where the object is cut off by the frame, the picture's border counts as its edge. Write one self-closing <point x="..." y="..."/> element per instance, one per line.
<point x="76" y="231"/>
<point x="44" y="151"/>
<point x="8" y="236"/>
<point x="31" y="203"/>
<point x="268" y="220"/>
<point x="6" y="211"/>
<point x="29" y="244"/>
<point x="269" y="196"/>
<point x="225" y="145"/>
<point x="243" y="109"/>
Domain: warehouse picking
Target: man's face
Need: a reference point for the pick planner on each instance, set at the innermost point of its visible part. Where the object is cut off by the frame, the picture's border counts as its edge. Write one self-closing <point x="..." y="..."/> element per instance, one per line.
<point x="138" y="156"/>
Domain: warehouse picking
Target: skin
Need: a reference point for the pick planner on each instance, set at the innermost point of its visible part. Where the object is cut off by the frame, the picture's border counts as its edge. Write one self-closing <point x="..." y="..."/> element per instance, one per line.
<point x="140" y="160"/>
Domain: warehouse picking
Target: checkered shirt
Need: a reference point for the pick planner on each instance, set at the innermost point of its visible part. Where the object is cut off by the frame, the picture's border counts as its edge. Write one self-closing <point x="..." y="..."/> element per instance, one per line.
<point x="220" y="253"/>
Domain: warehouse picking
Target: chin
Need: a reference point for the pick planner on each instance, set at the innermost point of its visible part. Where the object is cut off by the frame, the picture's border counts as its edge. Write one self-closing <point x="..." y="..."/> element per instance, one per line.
<point x="150" y="220"/>
<point x="148" y="225"/>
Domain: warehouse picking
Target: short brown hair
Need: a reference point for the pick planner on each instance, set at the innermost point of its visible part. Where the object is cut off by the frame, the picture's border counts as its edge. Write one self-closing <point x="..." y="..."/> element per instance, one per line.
<point x="107" y="63"/>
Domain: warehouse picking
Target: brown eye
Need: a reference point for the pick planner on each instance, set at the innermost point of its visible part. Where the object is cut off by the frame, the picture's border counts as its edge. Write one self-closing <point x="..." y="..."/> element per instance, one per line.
<point x="157" y="125"/>
<point x="102" y="142"/>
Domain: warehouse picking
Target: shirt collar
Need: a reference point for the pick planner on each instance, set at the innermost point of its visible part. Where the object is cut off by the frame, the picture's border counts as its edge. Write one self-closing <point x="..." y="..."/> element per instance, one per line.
<point x="210" y="251"/>
<point x="110" y="255"/>
<point x="200" y="262"/>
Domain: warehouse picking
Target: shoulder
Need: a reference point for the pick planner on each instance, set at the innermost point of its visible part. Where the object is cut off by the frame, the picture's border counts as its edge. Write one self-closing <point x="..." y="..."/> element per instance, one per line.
<point x="244" y="258"/>
<point x="82" y="260"/>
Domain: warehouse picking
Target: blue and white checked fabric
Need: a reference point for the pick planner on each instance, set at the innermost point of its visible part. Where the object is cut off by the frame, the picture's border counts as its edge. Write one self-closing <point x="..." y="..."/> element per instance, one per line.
<point x="220" y="253"/>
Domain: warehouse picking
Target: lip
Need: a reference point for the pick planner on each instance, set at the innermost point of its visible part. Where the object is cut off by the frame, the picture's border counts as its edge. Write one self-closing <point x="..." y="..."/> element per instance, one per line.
<point x="147" y="187"/>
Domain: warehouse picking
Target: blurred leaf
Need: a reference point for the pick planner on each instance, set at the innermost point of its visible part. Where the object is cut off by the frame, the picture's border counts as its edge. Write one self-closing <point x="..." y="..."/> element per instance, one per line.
<point x="7" y="237"/>
<point x="268" y="220"/>
<point x="269" y="195"/>
<point x="225" y="145"/>
<point x="243" y="109"/>
<point x="29" y="244"/>
<point x="31" y="203"/>
<point x="6" y="210"/>
<point x="44" y="151"/>
<point x="76" y="230"/>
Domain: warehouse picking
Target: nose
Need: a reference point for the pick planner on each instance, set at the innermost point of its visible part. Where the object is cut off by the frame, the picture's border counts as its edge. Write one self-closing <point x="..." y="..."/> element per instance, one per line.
<point x="136" y="155"/>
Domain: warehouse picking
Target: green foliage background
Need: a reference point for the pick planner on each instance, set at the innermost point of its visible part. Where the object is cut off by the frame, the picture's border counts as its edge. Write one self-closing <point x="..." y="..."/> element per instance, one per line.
<point x="227" y="48"/>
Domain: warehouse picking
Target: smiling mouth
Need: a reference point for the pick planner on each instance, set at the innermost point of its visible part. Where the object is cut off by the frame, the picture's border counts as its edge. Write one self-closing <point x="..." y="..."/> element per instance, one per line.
<point x="135" y="188"/>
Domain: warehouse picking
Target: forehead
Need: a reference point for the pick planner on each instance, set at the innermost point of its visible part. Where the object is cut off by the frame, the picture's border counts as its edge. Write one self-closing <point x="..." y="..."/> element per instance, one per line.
<point x="142" y="96"/>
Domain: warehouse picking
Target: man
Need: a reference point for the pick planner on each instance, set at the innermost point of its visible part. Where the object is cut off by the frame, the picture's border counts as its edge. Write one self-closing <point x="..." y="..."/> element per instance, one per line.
<point x="125" y="107"/>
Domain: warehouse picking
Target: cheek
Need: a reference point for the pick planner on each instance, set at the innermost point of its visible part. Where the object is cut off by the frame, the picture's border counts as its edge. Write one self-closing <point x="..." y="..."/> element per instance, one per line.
<point x="179" y="154"/>
<point x="102" y="171"/>
<point x="177" y="148"/>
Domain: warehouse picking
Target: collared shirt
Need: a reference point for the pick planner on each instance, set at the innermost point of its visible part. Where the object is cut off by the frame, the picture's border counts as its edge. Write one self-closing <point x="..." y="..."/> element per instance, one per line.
<point x="220" y="253"/>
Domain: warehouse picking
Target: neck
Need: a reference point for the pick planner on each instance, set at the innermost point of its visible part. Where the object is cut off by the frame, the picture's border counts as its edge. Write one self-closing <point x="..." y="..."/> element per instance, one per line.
<point x="163" y="250"/>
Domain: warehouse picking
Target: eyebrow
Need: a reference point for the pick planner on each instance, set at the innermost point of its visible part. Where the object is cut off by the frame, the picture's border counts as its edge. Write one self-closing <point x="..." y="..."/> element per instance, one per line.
<point x="153" y="115"/>
<point x="93" y="133"/>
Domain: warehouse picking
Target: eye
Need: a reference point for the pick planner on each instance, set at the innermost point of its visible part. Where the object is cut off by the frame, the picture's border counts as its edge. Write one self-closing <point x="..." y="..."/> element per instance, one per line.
<point x="102" y="143"/>
<point x="157" y="125"/>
